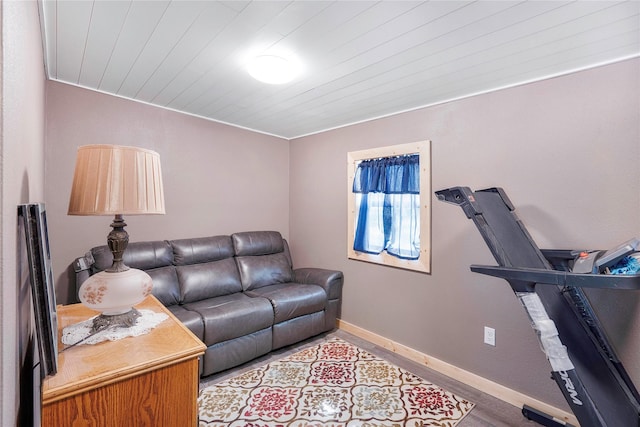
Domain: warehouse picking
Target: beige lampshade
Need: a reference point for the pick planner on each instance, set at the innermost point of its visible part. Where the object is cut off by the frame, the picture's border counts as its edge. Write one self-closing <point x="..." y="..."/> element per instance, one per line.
<point x="114" y="179"/>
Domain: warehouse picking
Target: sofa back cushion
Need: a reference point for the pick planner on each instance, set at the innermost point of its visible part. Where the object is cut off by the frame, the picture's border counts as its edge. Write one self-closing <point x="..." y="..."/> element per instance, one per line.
<point x="165" y="285"/>
<point x="140" y="255"/>
<point x="201" y="249"/>
<point x="208" y="280"/>
<point x="263" y="259"/>
<point x="205" y="268"/>
<point x="257" y="243"/>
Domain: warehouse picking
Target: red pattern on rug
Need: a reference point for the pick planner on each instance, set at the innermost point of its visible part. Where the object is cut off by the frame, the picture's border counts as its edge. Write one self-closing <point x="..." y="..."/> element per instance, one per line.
<point x="334" y="384"/>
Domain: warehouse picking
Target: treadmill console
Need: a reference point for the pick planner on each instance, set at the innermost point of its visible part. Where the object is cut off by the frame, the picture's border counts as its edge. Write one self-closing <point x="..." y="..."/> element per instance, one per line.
<point x="596" y="261"/>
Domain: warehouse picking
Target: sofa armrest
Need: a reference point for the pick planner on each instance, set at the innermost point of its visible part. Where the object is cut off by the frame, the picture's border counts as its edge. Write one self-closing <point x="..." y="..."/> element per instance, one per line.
<point x="330" y="280"/>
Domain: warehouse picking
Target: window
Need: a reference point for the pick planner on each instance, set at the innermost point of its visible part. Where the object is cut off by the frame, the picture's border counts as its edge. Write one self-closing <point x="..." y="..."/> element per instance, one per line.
<point x="389" y="206"/>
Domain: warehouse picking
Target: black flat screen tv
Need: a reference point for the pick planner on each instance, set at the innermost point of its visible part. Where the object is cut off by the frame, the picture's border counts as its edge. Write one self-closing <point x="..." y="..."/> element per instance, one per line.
<point x="33" y="220"/>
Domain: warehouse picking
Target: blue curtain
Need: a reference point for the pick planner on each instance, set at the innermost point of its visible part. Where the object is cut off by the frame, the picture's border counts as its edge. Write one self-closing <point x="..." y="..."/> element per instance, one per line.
<point x="388" y="199"/>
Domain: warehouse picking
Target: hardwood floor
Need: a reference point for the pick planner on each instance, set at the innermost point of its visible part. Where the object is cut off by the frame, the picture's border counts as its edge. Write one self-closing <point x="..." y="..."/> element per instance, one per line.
<point x="489" y="411"/>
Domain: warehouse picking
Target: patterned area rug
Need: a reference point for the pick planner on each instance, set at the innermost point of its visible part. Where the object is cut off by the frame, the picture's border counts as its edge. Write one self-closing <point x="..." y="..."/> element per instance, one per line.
<point x="334" y="384"/>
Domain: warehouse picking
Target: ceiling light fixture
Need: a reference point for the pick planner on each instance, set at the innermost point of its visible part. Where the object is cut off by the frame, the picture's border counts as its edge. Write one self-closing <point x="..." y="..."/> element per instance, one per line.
<point x="273" y="69"/>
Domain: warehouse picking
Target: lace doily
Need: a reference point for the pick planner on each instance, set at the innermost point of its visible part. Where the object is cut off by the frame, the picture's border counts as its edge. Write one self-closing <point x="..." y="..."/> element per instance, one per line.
<point x="80" y="332"/>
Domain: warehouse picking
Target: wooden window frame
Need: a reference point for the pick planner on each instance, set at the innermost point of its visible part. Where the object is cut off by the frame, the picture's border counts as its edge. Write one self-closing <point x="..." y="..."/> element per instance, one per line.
<point x="423" y="149"/>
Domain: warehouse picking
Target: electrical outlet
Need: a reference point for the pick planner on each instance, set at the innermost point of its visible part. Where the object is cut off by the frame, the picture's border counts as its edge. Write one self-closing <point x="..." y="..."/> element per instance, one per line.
<point x="489" y="336"/>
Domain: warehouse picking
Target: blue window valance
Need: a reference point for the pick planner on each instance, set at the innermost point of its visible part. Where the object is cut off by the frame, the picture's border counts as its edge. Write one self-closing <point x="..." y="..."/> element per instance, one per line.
<point x="388" y="175"/>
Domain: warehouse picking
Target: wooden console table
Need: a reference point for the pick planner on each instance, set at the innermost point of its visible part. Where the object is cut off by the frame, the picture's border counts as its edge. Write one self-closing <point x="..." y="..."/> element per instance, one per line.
<point x="148" y="380"/>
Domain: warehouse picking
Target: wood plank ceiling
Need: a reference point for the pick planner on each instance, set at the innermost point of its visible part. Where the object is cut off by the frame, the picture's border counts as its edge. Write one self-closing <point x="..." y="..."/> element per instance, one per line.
<point x="361" y="59"/>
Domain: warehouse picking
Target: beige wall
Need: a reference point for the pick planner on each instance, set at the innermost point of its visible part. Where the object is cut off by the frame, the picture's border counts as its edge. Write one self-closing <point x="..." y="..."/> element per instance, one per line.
<point x="22" y="165"/>
<point x="217" y="179"/>
<point x="567" y="152"/>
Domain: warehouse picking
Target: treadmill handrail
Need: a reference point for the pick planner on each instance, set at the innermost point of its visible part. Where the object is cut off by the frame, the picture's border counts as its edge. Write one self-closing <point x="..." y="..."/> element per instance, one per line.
<point x="561" y="278"/>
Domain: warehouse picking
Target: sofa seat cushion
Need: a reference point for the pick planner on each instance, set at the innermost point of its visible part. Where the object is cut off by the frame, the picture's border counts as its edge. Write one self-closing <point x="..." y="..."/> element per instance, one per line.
<point x="291" y="300"/>
<point x="190" y="319"/>
<point x="231" y="316"/>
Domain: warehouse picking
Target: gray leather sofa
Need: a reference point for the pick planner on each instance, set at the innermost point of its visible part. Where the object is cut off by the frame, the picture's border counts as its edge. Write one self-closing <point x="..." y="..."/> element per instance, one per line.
<point x="239" y="294"/>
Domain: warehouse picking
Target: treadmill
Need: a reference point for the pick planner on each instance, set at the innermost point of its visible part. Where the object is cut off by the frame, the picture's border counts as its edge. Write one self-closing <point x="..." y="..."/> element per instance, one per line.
<point x="550" y="286"/>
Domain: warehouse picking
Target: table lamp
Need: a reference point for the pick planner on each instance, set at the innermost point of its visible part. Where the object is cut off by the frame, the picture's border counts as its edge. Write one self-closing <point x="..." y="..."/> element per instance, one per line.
<point x="116" y="180"/>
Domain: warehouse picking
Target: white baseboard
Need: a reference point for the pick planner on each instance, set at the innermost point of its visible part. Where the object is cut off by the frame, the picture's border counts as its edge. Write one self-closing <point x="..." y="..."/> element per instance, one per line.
<point x="496" y="390"/>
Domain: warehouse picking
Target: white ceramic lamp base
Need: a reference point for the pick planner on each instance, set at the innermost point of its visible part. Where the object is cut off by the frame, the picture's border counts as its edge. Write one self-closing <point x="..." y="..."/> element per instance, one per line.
<point x="114" y="294"/>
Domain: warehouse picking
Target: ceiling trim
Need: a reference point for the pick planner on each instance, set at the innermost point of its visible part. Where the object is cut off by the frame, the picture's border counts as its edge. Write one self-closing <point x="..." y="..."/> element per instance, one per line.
<point x="496" y="89"/>
<point x="209" y="119"/>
